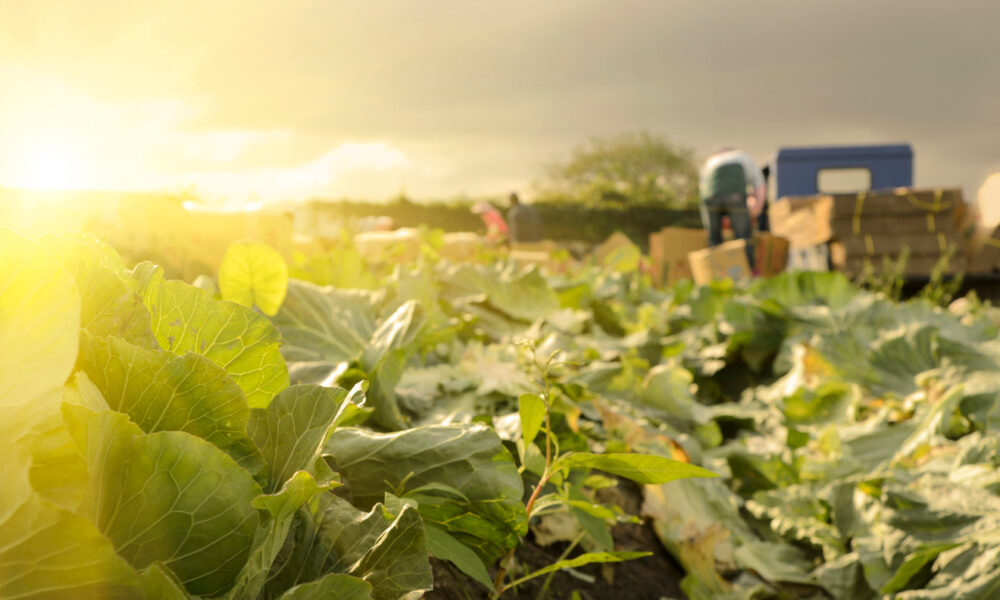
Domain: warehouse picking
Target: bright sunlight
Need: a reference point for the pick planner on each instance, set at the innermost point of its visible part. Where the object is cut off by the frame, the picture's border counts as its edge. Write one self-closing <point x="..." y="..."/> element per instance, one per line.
<point x="51" y="164"/>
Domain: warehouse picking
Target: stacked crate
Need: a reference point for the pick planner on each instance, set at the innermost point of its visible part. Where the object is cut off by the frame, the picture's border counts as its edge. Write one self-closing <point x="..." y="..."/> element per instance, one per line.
<point x="871" y="227"/>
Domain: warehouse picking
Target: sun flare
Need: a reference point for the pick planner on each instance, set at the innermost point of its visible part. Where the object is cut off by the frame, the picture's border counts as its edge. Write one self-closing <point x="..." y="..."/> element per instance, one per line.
<point x="51" y="163"/>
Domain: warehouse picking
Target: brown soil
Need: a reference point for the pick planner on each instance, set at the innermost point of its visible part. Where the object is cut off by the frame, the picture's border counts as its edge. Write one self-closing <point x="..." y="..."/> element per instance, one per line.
<point x="655" y="577"/>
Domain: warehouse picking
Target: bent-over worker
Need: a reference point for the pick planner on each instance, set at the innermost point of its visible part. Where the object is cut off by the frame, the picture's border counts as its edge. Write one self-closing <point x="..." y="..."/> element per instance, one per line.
<point x="731" y="185"/>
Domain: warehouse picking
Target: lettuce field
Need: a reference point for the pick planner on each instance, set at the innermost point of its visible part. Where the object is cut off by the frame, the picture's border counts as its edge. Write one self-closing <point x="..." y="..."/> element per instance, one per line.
<point x="331" y="429"/>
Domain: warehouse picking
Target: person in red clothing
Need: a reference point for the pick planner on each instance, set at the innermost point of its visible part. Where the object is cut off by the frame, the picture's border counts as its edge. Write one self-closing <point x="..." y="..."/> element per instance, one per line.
<point x="496" y="228"/>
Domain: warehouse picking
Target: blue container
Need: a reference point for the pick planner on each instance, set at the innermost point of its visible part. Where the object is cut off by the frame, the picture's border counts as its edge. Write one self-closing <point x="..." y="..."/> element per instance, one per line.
<point x="798" y="169"/>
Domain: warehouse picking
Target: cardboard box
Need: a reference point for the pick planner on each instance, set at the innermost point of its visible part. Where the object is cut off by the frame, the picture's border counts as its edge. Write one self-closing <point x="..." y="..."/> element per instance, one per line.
<point x="804" y="221"/>
<point x="837" y="256"/>
<point x="770" y="254"/>
<point x="900" y="201"/>
<point x="887" y="243"/>
<point x="811" y="220"/>
<point x="909" y="224"/>
<point x="924" y="252"/>
<point x="552" y="255"/>
<point x="668" y="253"/>
<point x="728" y="260"/>
<point x="917" y="263"/>
<point x="462" y="246"/>
<point x="401" y="245"/>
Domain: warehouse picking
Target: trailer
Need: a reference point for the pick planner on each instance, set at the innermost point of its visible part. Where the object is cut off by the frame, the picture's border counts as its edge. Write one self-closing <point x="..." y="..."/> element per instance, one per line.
<point x="852" y="208"/>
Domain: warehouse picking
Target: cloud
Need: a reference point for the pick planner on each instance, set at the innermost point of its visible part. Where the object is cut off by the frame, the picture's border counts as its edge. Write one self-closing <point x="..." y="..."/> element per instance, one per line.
<point x="224" y="147"/>
<point x="479" y="95"/>
<point x="339" y="171"/>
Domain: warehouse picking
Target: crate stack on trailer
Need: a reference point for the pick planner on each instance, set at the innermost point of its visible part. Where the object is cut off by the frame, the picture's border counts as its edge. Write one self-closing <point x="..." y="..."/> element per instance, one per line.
<point x="930" y="228"/>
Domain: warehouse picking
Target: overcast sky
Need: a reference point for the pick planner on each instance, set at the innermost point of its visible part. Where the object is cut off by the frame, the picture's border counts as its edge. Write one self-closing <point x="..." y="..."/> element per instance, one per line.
<point x="439" y="97"/>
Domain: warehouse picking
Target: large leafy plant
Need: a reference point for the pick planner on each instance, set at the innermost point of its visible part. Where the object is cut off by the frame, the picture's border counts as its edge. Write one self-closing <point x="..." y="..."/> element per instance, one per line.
<point x="153" y="449"/>
<point x="161" y="442"/>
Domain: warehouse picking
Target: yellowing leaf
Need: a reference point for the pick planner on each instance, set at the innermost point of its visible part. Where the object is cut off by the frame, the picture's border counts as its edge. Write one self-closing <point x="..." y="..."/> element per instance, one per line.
<point x="532" y="411"/>
<point x="641" y="468"/>
<point x="254" y="274"/>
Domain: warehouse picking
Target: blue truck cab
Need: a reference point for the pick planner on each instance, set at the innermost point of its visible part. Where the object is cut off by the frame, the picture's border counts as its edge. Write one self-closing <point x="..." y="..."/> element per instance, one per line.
<point x="803" y="171"/>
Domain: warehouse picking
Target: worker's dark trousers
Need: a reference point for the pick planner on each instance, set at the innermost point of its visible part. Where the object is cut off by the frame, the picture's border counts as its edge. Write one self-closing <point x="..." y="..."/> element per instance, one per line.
<point x="733" y="205"/>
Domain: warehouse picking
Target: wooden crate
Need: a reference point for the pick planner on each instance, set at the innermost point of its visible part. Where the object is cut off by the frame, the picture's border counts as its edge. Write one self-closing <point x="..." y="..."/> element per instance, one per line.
<point x="872" y="225"/>
<point x="916" y="243"/>
<point x="810" y="220"/>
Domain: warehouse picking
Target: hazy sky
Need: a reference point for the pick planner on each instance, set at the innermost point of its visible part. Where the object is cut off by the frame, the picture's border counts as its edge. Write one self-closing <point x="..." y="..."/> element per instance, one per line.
<point x="439" y="97"/>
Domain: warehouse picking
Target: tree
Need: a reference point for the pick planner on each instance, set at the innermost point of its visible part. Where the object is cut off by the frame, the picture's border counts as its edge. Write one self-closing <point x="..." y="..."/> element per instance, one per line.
<point x="632" y="167"/>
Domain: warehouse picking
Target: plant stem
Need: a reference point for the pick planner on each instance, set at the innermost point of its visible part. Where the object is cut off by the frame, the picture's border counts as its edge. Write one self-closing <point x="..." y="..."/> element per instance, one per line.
<point x="562" y="557"/>
<point x="498" y="587"/>
<point x="548" y="460"/>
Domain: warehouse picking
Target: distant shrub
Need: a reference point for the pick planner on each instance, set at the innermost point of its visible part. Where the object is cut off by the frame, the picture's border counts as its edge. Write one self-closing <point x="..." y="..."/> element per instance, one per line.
<point x="563" y="221"/>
